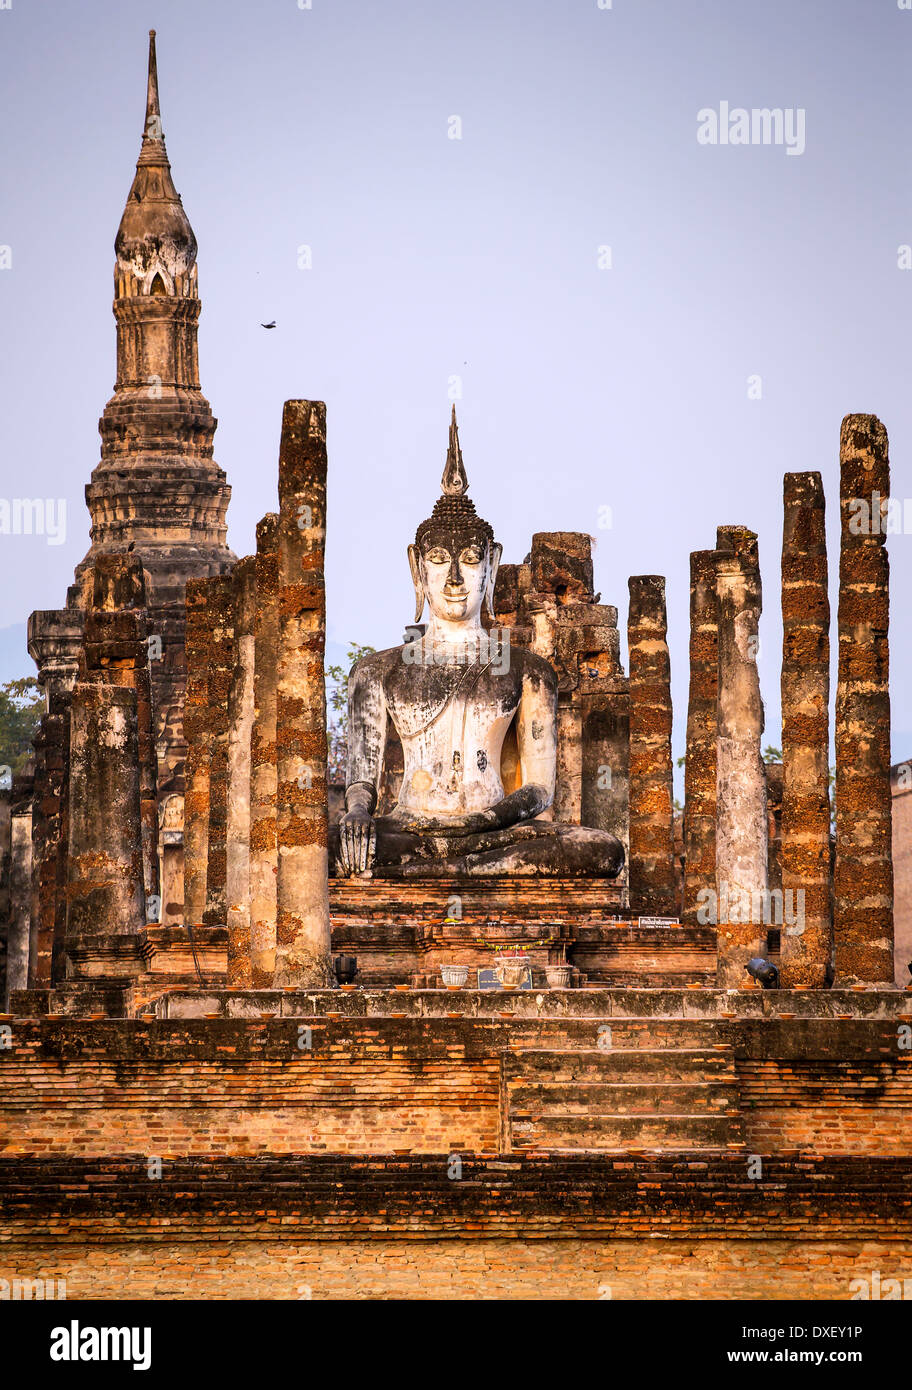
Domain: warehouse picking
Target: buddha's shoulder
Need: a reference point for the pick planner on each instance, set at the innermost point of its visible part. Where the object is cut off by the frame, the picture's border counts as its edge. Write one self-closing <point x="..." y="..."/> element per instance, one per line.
<point x="534" y="667"/>
<point x="376" y="665"/>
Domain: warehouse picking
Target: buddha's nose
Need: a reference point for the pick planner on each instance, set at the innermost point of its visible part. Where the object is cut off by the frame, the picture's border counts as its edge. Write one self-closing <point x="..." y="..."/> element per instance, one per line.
<point x="454" y="578"/>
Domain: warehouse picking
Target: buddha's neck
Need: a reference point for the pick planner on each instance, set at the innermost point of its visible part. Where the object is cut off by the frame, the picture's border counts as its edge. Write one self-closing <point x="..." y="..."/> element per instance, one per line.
<point x="453" y="634"/>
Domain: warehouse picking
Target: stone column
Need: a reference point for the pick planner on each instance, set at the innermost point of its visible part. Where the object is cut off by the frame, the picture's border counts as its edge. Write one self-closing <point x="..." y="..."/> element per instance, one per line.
<point x="742" y="830"/>
<point x="606" y="760"/>
<point x="863" y="876"/>
<point x="47" y="916"/>
<point x="568" y="791"/>
<point x="196" y="733"/>
<point x="55" y="642"/>
<point x="240" y="728"/>
<point x="220" y="590"/>
<point x="171" y="840"/>
<point x="105" y="897"/>
<point x="17" y="946"/>
<point x="805" y="833"/>
<point x="117" y="653"/>
<point x="6" y="786"/>
<point x="303" y="952"/>
<point x="700" y="759"/>
<point x="652" y="876"/>
<point x="263" y="851"/>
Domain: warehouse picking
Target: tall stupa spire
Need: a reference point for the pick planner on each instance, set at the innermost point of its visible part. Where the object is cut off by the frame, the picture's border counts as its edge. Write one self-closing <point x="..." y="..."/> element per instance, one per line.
<point x="157" y="488"/>
<point x="153" y="127"/>
<point x="155" y="245"/>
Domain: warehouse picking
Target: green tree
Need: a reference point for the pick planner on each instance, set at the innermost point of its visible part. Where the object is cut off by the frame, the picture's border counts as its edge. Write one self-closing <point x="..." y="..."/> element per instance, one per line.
<point x="337" y="713"/>
<point x="21" y="707"/>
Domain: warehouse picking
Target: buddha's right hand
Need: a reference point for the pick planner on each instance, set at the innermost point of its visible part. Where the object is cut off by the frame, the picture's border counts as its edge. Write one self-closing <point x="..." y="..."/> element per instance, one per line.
<point x="357" y="841"/>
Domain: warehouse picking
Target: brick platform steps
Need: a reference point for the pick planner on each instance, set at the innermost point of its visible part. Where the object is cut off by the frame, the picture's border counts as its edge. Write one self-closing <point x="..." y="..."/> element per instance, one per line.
<point x="679" y="1066"/>
<point x="683" y="1097"/>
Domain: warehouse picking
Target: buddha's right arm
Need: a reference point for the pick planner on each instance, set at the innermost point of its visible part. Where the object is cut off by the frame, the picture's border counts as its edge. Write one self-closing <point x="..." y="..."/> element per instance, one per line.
<point x="366" y="738"/>
<point x="361" y="798"/>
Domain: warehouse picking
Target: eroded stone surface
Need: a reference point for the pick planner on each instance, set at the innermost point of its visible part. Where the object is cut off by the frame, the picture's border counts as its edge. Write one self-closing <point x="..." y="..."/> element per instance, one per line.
<point x="863" y="871"/>
<point x="742" y="830"/>
<point x="699" y="829"/>
<point x="652" y="878"/>
<point x="805" y="848"/>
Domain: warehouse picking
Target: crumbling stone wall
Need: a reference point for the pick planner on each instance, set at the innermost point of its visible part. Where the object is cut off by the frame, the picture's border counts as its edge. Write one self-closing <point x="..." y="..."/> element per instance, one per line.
<point x="548" y="604"/>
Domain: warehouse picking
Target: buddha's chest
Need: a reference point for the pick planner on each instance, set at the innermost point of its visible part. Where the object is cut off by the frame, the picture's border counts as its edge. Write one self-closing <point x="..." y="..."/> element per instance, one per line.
<point x="446" y="711"/>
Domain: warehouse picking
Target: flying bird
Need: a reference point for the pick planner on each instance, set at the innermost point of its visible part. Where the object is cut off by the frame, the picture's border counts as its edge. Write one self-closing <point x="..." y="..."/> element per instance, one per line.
<point x="268" y="325"/>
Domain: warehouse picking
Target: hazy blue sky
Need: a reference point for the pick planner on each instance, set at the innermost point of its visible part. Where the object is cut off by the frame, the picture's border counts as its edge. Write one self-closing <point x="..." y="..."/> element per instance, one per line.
<point x="433" y="257"/>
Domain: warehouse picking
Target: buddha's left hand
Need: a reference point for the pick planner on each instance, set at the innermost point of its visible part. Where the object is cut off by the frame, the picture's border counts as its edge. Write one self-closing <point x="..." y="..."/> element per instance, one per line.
<point x="520" y="805"/>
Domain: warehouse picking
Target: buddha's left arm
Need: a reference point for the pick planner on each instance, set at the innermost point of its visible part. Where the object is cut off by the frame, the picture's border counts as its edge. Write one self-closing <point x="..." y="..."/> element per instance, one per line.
<point x="536" y="736"/>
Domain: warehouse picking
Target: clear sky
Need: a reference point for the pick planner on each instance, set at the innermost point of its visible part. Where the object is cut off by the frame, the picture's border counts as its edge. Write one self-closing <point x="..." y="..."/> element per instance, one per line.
<point x="433" y="258"/>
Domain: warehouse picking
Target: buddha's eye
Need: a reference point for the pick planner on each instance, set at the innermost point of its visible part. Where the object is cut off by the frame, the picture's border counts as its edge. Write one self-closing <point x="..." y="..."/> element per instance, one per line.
<point x="437" y="556"/>
<point x="471" y="555"/>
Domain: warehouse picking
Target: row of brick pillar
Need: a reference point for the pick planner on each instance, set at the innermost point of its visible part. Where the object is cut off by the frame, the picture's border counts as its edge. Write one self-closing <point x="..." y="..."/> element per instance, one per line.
<point x="836" y="915"/>
<point x="255" y="809"/>
<point x="255" y="721"/>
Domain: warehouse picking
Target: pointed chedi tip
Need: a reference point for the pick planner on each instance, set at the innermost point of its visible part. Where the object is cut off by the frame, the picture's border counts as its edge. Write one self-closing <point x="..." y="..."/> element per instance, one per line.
<point x="155" y="236"/>
<point x="153" y="126"/>
<point x="454" y="482"/>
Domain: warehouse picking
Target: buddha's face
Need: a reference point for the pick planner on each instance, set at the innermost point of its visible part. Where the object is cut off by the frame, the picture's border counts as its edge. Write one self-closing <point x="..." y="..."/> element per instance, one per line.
<point x="454" y="572"/>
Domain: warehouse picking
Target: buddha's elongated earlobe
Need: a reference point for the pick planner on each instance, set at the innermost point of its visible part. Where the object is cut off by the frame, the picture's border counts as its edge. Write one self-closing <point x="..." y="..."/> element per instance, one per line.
<point x="416" y="580"/>
<point x="496" y="552"/>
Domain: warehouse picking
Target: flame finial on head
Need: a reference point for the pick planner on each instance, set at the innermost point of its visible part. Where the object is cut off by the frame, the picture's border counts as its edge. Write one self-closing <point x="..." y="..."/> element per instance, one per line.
<point x="454" y="512"/>
<point x="454" y="482"/>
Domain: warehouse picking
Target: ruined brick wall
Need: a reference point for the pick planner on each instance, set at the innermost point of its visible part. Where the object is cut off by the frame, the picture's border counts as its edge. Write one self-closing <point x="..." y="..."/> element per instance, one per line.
<point x="239" y="1090"/>
<point x="548" y="604"/>
<point x="251" y="1262"/>
<point x="320" y="1228"/>
<point x="370" y="1084"/>
<point x="833" y="1107"/>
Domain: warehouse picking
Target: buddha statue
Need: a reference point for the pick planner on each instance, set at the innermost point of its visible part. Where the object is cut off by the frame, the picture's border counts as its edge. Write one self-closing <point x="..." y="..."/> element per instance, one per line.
<point x="453" y="692"/>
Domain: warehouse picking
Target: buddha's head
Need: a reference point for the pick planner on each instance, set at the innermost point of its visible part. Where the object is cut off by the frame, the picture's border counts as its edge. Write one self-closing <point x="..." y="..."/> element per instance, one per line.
<point x="455" y="556"/>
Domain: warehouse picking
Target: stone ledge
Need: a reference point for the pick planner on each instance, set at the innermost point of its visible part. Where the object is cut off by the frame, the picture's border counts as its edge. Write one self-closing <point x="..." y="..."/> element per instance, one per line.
<point x="426" y="1032"/>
